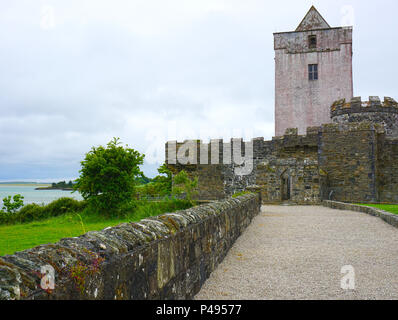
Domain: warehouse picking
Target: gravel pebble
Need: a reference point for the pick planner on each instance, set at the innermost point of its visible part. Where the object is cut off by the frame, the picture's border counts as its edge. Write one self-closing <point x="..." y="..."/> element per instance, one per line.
<point x="297" y="252"/>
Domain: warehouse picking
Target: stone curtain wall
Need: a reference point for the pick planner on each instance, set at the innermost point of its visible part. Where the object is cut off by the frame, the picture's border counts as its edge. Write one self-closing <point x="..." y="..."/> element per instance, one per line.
<point x="347" y="158"/>
<point x="347" y="161"/>
<point x="293" y="156"/>
<point x="164" y="257"/>
<point x="387" y="180"/>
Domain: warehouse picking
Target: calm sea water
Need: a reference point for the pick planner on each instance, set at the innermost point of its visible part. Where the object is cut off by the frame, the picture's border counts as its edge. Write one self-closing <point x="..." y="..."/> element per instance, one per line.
<point x="35" y="196"/>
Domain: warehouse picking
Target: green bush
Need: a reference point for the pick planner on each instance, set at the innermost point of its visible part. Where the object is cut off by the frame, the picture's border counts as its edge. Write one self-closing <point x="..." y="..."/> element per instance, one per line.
<point x="4" y="216"/>
<point x="28" y="213"/>
<point x="64" y="205"/>
<point x="108" y="176"/>
<point x="159" y="186"/>
<point x="184" y="184"/>
<point x="34" y="212"/>
<point x="148" y="190"/>
<point x="134" y="210"/>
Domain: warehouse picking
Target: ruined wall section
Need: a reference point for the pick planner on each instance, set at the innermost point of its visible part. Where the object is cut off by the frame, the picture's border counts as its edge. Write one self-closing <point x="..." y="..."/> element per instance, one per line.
<point x="374" y="111"/>
<point x="210" y="177"/>
<point x="215" y="165"/>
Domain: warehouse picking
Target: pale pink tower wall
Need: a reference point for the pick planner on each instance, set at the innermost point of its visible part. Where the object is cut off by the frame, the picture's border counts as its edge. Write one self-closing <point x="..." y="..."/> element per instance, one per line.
<point x="299" y="101"/>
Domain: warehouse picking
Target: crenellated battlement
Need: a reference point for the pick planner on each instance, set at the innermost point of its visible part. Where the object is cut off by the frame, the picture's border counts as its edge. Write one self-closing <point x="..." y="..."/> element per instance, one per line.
<point x="374" y="111"/>
<point x="219" y="151"/>
<point x="230" y="151"/>
<point x="289" y="134"/>
<point x="356" y="105"/>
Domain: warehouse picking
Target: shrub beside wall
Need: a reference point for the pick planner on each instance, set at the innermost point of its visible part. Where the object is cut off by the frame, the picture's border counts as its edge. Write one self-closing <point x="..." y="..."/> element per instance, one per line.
<point x="165" y="257"/>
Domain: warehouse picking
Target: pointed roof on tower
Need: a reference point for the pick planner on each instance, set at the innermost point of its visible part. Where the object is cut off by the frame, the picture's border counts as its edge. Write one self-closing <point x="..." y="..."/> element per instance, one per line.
<point x="313" y="20"/>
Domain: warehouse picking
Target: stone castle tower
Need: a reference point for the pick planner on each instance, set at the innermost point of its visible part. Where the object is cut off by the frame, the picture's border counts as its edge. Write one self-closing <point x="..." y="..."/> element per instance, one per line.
<point x="313" y="68"/>
<point x="329" y="145"/>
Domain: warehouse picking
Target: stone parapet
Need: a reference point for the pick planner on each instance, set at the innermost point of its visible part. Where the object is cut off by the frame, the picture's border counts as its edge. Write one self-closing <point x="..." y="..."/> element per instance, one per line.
<point x="356" y="105"/>
<point x="388" y="217"/>
<point x="165" y="257"/>
<point x="374" y="111"/>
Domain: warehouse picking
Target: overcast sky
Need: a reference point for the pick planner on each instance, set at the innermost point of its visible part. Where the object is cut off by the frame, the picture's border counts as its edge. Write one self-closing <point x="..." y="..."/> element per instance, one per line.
<point x="74" y="74"/>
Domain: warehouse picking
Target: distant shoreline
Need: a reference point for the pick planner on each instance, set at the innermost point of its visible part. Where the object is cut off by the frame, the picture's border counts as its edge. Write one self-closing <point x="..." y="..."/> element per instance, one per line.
<point x="52" y="188"/>
<point x="38" y="186"/>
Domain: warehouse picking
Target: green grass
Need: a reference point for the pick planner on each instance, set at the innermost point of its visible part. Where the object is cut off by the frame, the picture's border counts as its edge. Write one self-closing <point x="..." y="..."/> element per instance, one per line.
<point x="242" y="193"/>
<point x="23" y="236"/>
<point x="393" y="208"/>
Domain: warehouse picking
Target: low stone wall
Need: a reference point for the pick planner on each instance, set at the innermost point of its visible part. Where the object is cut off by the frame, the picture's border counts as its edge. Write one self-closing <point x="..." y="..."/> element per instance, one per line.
<point x="164" y="257"/>
<point x="388" y="217"/>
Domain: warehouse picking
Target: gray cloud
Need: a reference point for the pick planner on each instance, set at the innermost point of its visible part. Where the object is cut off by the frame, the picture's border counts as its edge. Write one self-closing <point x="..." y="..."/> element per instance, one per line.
<point x="149" y="71"/>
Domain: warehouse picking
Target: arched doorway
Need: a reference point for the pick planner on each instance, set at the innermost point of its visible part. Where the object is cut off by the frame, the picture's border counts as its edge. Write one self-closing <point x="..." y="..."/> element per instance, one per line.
<point x="285" y="186"/>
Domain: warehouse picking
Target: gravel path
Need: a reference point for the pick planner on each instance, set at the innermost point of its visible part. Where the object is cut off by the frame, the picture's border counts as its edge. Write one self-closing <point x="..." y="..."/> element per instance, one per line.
<point x="297" y="252"/>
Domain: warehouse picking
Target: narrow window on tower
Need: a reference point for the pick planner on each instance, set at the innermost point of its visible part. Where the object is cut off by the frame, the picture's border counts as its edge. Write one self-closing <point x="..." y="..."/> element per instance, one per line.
<point x="313" y="72"/>
<point x="312" y="43"/>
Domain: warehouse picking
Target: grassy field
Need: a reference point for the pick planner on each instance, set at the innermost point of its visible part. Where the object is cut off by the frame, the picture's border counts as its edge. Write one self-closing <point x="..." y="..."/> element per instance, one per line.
<point x="24" y="236"/>
<point x="19" y="237"/>
<point x="393" y="208"/>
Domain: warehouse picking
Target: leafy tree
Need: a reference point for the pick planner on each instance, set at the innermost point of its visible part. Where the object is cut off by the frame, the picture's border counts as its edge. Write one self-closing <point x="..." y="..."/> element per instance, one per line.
<point x="142" y="179"/>
<point x="108" y="176"/>
<point x="12" y="206"/>
<point x="164" y="181"/>
<point x="149" y="189"/>
<point x="161" y="185"/>
<point x="183" y="184"/>
<point x="163" y="169"/>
